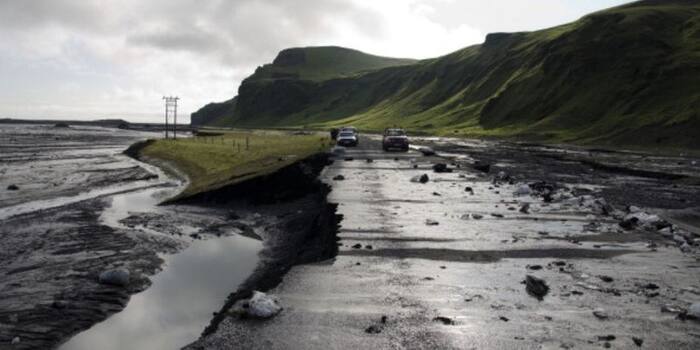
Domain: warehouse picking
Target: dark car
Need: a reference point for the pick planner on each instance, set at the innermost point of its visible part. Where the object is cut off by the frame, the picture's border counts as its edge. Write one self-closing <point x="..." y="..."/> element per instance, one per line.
<point x="347" y="139"/>
<point x="334" y="133"/>
<point x="395" y="139"/>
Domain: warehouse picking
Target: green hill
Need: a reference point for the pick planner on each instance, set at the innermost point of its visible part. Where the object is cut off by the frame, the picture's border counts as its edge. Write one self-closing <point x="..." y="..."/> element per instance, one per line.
<point x="629" y="75"/>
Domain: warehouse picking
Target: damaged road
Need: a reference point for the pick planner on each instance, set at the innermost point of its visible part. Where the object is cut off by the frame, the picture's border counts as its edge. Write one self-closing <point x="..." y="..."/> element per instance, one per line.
<point x="499" y="249"/>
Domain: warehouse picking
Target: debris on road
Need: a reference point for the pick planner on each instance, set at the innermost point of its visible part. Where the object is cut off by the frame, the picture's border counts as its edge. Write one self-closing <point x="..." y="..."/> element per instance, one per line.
<point x="523" y="190"/>
<point x="427" y="151"/>
<point x="338" y="178"/>
<point x="694" y="310"/>
<point x="525" y="208"/>
<point x="483" y="167"/>
<point x="536" y="287"/>
<point x="441" y="168"/>
<point x="260" y="305"/>
<point x="444" y="320"/>
<point x="116" y="277"/>
<point x="431" y="222"/>
<point x="420" y="178"/>
<point x="600" y="314"/>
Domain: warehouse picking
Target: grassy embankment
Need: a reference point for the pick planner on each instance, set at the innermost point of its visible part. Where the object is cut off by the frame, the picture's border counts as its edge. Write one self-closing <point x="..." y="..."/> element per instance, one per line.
<point x="221" y="159"/>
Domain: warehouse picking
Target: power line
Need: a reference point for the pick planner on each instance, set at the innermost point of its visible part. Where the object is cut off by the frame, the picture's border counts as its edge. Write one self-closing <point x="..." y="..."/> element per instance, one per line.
<point x="171" y="109"/>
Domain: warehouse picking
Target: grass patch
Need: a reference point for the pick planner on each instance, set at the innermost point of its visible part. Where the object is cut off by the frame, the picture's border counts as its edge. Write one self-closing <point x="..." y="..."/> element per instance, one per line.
<point x="211" y="162"/>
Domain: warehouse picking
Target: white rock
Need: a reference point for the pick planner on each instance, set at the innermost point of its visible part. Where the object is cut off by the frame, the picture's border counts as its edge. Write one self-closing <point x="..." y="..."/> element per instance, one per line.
<point x="694" y="310"/>
<point x="262" y="305"/>
<point x="634" y="209"/>
<point x="523" y="190"/>
<point x="16" y="340"/>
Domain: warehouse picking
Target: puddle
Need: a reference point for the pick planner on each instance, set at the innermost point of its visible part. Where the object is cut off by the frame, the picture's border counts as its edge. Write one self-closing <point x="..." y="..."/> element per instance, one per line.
<point x="179" y="305"/>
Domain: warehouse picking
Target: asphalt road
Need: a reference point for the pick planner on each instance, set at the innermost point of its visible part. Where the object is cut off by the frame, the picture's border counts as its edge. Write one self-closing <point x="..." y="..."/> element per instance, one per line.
<point x="432" y="266"/>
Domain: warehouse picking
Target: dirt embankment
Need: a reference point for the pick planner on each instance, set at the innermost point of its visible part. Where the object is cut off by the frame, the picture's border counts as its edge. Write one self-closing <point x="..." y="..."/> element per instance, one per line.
<point x="305" y="230"/>
<point x="303" y="225"/>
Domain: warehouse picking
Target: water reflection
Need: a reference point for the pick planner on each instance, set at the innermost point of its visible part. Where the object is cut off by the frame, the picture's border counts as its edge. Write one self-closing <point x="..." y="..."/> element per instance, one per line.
<point x="176" y="308"/>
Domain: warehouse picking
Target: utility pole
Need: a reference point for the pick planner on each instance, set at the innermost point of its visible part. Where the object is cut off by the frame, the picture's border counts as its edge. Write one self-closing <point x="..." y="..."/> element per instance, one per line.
<point x="171" y="108"/>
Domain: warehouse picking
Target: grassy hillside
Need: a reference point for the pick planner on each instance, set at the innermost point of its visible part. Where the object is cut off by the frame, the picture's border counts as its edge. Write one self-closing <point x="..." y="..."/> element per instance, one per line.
<point x="627" y="76"/>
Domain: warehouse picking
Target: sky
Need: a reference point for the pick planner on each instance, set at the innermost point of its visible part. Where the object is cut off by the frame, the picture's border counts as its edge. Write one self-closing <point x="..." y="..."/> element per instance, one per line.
<point x="94" y="59"/>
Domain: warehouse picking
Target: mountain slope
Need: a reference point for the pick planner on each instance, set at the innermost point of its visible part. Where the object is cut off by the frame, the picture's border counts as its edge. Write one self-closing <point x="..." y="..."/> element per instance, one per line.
<point x="627" y="75"/>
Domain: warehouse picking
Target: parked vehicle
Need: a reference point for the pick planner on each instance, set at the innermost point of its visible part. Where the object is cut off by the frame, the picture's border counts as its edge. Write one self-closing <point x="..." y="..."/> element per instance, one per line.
<point x="347" y="139"/>
<point x="395" y="138"/>
<point x="350" y="129"/>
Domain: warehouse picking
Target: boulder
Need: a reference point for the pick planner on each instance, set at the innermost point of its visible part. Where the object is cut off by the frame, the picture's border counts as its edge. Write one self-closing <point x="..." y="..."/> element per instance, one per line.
<point x="523" y="190"/>
<point x="483" y="167"/>
<point x="441" y="168"/>
<point x="116" y="277"/>
<point x="12" y="187"/>
<point x="260" y="305"/>
<point x="420" y="178"/>
<point x="536" y="287"/>
<point x="427" y="151"/>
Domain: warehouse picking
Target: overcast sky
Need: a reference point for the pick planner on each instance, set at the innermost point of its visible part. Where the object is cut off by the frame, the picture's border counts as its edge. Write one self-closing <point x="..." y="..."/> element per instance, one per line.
<point x="87" y="59"/>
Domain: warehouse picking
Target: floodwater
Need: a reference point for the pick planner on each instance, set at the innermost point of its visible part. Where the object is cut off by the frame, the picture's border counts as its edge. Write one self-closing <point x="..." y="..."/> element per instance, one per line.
<point x="179" y="304"/>
<point x="60" y="167"/>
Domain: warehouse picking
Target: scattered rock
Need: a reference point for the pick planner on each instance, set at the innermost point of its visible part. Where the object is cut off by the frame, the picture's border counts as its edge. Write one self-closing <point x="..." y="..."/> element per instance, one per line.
<point x="534" y="267"/>
<point x="444" y="320"/>
<point x="369" y="160"/>
<point x="495" y="215"/>
<point x="12" y="187"/>
<point x="543" y="233"/>
<point x="694" y="311"/>
<point x="638" y="341"/>
<point x="504" y="319"/>
<point x="606" y="279"/>
<point x="427" y="151"/>
<point x="348" y="159"/>
<point x="477" y="216"/>
<point x="436" y="194"/>
<point x="16" y="340"/>
<point x="469" y="189"/>
<point x="523" y="190"/>
<point x="374" y="329"/>
<point x="441" y="168"/>
<point x="368" y="247"/>
<point x="483" y="167"/>
<point x="338" y="178"/>
<point x="600" y="314"/>
<point x="525" y="208"/>
<point x="59" y="304"/>
<point x="650" y="286"/>
<point x="116" y="277"/>
<point x="420" y="178"/>
<point x="260" y="305"/>
<point x="357" y="246"/>
<point x="536" y="287"/>
<point x="431" y="222"/>
<point x="61" y="125"/>
<point x="608" y="337"/>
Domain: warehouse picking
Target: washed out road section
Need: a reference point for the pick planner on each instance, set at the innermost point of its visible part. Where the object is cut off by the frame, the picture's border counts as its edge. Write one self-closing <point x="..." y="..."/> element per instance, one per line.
<point x="443" y="264"/>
